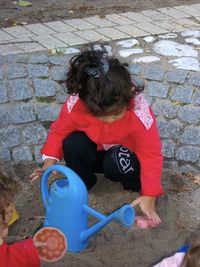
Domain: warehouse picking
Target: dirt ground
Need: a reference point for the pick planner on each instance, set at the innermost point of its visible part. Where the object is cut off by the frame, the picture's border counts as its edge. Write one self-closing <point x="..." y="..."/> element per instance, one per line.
<point x="114" y="245"/>
<point x="50" y="10"/>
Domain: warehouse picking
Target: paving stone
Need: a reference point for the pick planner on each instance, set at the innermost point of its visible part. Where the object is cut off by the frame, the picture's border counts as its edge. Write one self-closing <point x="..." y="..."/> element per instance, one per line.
<point x="187" y="169"/>
<point x="173" y="12"/>
<point x="155" y="15"/>
<point x="70" y="38"/>
<point x="197" y="18"/>
<point x="176" y="76"/>
<point x="189" y="114"/>
<point x="136" y="17"/>
<point x="9" y="49"/>
<point x="1" y="73"/>
<point x="92" y="36"/>
<point x="100" y="22"/>
<point x="18" y="32"/>
<point x="117" y="19"/>
<point x="80" y="24"/>
<point x="165" y="108"/>
<point x="2" y="60"/>
<point x="16" y="71"/>
<point x="170" y="130"/>
<point x="44" y="88"/>
<point x="132" y="30"/>
<point x="39" y="29"/>
<point x="34" y="134"/>
<point x="139" y="82"/>
<point x="5" y="154"/>
<point x="18" y="58"/>
<point x="170" y="25"/>
<point x="196" y="6"/>
<point x="57" y="60"/>
<point x="22" y="153"/>
<point x="188" y="10"/>
<point x="10" y="137"/>
<point x="112" y="33"/>
<point x="38" y="71"/>
<point x="3" y="92"/>
<point x="171" y="165"/>
<point x="49" y="41"/>
<point x="20" y="89"/>
<point x="38" y="58"/>
<point x="197" y="99"/>
<point x="168" y="148"/>
<point x="187" y="154"/>
<point x="135" y="68"/>
<point x="47" y="112"/>
<point x="59" y="26"/>
<point x="187" y="23"/>
<point x="59" y="73"/>
<point x="154" y="73"/>
<point x="157" y="89"/>
<point x="5" y="118"/>
<point x="38" y="156"/>
<point x="194" y="80"/>
<point x="62" y="95"/>
<point x="5" y="36"/>
<point x="191" y="136"/>
<point x="151" y="28"/>
<point x="30" y="47"/>
<point x="183" y="94"/>
<point x="22" y="114"/>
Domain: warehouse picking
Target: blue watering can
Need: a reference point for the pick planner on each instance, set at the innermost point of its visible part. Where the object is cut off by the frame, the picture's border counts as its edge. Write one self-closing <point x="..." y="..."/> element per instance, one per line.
<point x="66" y="206"/>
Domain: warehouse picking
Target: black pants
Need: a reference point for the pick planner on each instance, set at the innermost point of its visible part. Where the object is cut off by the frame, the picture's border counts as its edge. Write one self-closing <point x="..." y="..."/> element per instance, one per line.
<point x="118" y="163"/>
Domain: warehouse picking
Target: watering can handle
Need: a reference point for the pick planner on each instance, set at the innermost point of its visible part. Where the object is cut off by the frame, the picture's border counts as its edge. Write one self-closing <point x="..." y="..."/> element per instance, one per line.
<point x="44" y="180"/>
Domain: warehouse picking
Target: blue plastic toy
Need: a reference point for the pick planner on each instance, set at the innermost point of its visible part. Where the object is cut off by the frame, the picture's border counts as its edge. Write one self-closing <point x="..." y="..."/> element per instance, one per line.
<point x="66" y="207"/>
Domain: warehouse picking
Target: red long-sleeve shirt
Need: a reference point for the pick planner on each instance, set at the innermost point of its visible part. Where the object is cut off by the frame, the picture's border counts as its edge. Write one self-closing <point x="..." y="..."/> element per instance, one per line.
<point x="19" y="254"/>
<point x="137" y="131"/>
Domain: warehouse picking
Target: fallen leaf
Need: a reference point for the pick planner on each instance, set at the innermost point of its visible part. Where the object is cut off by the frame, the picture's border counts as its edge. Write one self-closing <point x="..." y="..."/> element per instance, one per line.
<point x="23" y="23"/>
<point x="24" y="3"/>
<point x="196" y="180"/>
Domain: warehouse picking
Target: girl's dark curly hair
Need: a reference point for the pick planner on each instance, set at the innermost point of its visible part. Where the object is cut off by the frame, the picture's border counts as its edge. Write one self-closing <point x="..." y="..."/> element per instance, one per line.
<point x="102" y="82"/>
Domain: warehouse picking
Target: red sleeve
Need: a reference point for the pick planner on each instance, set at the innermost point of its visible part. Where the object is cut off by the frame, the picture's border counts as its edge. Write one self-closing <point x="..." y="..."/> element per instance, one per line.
<point x="148" y="151"/>
<point x="19" y="254"/>
<point x="59" y="130"/>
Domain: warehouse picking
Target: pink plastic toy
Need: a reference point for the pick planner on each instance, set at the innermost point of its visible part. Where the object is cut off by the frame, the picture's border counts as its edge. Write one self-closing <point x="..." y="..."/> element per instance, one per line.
<point x="144" y="223"/>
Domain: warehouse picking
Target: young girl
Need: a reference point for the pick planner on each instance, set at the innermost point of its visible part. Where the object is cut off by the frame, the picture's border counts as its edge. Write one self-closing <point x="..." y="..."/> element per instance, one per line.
<point x="106" y="126"/>
<point x="20" y="254"/>
<point x="186" y="256"/>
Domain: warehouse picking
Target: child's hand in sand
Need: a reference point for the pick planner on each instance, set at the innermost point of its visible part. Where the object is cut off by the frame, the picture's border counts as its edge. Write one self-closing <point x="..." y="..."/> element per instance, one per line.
<point x="147" y="206"/>
<point x="37" y="173"/>
<point x="39" y="244"/>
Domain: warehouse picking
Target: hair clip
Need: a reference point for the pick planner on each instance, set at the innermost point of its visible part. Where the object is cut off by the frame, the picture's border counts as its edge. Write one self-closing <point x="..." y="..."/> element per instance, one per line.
<point x="105" y="65"/>
<point x="92" y="72"/>
<point x="95" y="72"/>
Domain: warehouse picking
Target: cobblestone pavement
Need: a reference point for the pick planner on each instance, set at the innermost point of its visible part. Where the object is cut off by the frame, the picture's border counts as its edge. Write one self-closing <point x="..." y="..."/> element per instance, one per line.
<point x="66" y="33"/>
<point x="163" y="57"/>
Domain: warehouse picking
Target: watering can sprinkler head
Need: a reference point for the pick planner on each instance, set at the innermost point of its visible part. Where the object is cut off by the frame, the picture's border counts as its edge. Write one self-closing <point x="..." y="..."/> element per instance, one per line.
<point x="125" y="215"/>
<point x="66" y="206"/>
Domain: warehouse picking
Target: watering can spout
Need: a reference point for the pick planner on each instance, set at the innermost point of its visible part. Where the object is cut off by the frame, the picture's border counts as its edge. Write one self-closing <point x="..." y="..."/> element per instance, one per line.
<point x="124" y="215"/>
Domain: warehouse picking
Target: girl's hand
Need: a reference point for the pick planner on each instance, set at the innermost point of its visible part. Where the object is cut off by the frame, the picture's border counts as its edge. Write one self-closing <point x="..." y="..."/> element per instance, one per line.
<point x="1" y="241"/>
<point x="37" y="173"/>
<point x="39" y="244"/>
<point x="147" y="206"/>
